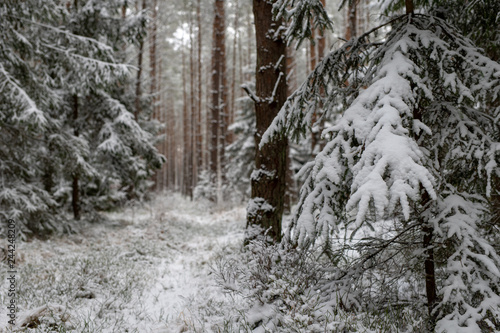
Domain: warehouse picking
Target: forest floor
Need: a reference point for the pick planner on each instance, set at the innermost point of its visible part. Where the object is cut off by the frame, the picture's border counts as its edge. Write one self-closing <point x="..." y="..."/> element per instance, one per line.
<point x="145" y="269"/>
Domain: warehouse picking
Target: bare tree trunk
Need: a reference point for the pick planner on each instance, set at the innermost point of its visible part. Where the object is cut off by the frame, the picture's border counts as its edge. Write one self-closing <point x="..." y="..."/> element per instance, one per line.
<point x="153" y="74"/>
<point x="152" y="55"/>
<point x="193" y="103"/>
<point x="430" y="278"/>
<point x="187" y="168"/>
<point x="321" y="55"/>
<point x="170" y="136"/>
<point x="409" y="6"/>
<point x="232" y="106"/>
<point x="138" y="88"/>
<point x="76" y="176"/>
<point x="138" y="83"/>
<point x="208" y="120"/>
<point x="163" y="119"/>
<point x="224" y="112"/>
<point x="351" y="19"/>
<point x="250" y="46"/>
<point x="75" y="195"/>
<point x="312" y="50"/>
<point x="199" y="135"/>
<point x="268" y="180"/>
<point x="321" y="40"/>
<point x="428" y="246"/>
<point x="219" y="94"/>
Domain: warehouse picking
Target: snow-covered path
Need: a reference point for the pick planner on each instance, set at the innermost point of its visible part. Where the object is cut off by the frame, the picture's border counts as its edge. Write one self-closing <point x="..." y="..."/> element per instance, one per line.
<point x="145" y="270"/>
<point x="184" y="285"/>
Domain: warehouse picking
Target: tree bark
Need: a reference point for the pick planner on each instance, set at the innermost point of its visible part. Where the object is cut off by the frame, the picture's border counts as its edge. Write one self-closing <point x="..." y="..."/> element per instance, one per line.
<point x="193" y="103"/>
<point x="153" y="75"/>
<point x="199" y="134"/>
<point x="76" y="177"/>
<point x="428" y="246"/>
<point x="409" y="6"/>
<point x="232" y="106"/>
<point x="269" y="177"/>
<point x="138" y="83"/>
<point x="430" y="278"/>
<point x="351" y="20"/>
<point x="312" y="50"/>
<point x="219" y="94"/>
<point x="187" y="169"/>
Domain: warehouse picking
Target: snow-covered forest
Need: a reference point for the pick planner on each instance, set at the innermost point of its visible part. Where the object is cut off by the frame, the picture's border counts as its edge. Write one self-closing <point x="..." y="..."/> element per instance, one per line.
<point x="250" y="166"/>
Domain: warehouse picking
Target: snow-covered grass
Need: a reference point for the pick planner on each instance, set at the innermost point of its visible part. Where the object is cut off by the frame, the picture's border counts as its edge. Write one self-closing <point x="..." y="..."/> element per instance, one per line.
<point x="178" y="266"/>
<point x="145" y="269"/>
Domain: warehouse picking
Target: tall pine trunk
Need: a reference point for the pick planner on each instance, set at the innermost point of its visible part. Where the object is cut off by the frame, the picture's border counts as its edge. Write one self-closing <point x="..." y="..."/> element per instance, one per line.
<point x="199" y="134"/>
<point x="351" y="29"/>
<point x="232" y="106"/>
<point x="153" y="76"/>
<point x="138" y="83"/>
<point x="268" y="180"/>
<point x="76" y="176"/>
<point x="218" y="106"/>
<point x="187" y="166"/>
<point x="193" y="103"/>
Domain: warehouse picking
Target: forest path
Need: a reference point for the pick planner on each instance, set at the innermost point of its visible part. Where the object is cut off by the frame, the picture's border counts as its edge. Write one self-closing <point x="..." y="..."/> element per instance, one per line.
<point x="184" y="286"/>
<point x="143" y="270"/>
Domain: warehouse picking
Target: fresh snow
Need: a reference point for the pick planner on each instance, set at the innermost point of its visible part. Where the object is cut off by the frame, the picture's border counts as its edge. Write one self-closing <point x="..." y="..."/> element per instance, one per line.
<point x="165" y="252"/>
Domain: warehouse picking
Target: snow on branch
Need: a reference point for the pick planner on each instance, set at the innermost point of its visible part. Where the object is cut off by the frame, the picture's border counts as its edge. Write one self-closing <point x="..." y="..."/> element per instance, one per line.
<point x="302" y="16"/>
<point x="31" y="113"/>
<point x="415" y="144"/>
<point x="378" y="136"/>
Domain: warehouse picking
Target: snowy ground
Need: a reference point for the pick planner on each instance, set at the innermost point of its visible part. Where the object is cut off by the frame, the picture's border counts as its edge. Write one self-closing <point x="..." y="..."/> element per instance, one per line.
<point x="145" y="270"/>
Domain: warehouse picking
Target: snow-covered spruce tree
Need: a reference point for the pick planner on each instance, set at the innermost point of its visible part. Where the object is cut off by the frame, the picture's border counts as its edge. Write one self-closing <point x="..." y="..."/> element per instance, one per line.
<point x="122" y="146"/>
<point x="45" y="67"/>
<point x="30" y="99"/>
<point x="479" y="21"/>
<point x="403" y="179"/>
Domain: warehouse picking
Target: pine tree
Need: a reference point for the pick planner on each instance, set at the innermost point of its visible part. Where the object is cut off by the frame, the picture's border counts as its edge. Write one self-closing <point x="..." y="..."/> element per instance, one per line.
<point x="404" y="177"/>
<point x="65" y="95"/>
<point x="122" y="148"/>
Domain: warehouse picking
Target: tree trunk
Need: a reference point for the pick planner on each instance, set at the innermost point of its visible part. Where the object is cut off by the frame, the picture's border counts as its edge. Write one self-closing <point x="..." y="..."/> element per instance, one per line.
<point x="232" y="106"/>
<point x="428" y="247"/>
<point x="321" y="39"/>
<point x="199" y="135"/>
<point x="430" y="278"/>
<point x="76" y="177"/>
<point x="187" y="166"/>
<point x="409" y="6"/>
<point x="193" y="103"/>
<point x="312" y="50"/>
<point x="250" y="46"/>
<point x="351" y="20"/>
<point x="138" y="83"/>
<point x="268" y="180"/>
<point x="219" y="95"/>
<point x="153" y="76"/>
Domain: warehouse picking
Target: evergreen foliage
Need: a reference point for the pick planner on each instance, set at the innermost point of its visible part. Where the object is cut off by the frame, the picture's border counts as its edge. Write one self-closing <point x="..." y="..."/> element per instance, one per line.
<point x="62" y="110"/>
<point x="241" y="152"/>
<point x="412" y="155"/>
